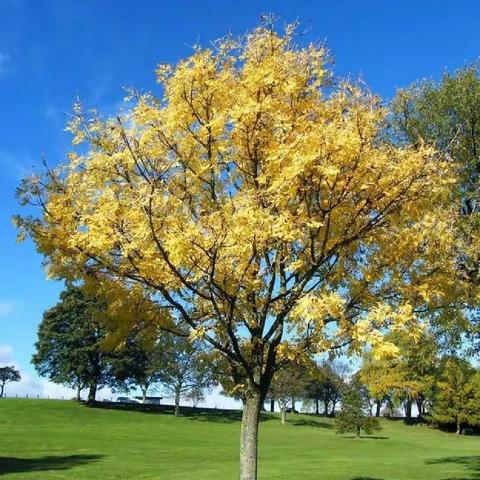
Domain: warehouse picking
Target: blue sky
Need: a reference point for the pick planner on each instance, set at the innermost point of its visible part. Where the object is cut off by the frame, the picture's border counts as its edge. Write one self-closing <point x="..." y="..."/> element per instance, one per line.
<point x="53" y="50"/>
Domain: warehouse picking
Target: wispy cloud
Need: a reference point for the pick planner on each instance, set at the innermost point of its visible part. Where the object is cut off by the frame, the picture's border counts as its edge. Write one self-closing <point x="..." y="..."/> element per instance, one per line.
<point x="6" y="308"/>
<point x="6" y="354"/>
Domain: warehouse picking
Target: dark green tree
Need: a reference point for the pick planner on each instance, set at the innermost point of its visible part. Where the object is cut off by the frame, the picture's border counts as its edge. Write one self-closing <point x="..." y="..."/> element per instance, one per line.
<point x="446" y="115"/>
<point x="137" y="363"/>
<point x="8" y="375"/>
<point x="457" y="400"/>
<point x="354" y="416"/>
<point x="69" y="349"/>
<point x="325" y="383"/>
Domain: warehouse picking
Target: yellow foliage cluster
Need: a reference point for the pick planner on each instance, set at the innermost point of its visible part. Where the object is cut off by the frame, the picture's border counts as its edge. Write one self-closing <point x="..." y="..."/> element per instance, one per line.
<point x="255" y="201"/>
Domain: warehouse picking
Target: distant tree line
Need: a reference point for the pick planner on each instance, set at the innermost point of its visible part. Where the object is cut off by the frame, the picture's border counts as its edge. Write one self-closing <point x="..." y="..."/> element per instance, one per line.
<point x="76" y="348"/>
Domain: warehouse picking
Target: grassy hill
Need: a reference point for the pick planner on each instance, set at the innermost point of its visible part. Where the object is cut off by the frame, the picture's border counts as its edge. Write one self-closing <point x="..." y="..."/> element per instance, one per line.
<point x="48" y="439"/>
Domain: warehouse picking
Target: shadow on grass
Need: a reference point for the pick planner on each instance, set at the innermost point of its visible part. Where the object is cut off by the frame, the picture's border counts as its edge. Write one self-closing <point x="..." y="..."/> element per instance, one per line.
<point x="367" y="437"/>
<point x="470" y="462"/>
<point x="202" y="414"/>
<point x="60" y="462"/>
<point x="366" y="478"/>
<point x="310" y="423"/>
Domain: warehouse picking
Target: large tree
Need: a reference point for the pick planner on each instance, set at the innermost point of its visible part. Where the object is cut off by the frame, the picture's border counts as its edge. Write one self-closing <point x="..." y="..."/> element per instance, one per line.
<point x="7" y="375"/>
<point x="446" y="114"/>
<point x="254" y="203"/>
<point x="69" y="349"/>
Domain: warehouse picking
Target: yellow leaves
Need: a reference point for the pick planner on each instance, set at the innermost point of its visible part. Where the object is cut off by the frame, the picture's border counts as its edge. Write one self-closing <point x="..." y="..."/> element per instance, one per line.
<point x="247" y="179"/>
<point x="197" y="334"/>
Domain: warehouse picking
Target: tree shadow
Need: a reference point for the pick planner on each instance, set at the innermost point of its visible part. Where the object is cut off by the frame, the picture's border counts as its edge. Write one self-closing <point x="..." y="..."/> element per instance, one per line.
<point x="60" y="462"/>
<point x="310" y="423"/>
<point x="366" y="478"/>
<point x="470" y="462"/>
<point x="214" y="415"/>
<point x="367" y="437"/>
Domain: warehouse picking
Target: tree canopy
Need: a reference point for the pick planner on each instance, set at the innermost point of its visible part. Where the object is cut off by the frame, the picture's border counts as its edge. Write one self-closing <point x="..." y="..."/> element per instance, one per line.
<point x="8" y="374"/>
<point x="258" y="204"/>
<point x="70" y="346"/>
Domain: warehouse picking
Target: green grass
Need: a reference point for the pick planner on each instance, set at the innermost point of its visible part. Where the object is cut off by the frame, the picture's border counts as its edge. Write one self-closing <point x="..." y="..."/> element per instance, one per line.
<point x="48" y="439"/>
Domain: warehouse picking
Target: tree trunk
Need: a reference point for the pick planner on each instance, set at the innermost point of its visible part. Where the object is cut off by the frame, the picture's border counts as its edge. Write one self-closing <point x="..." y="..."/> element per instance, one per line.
<point x="2" y="388"/>
<point x="459" y="428"/>
<point x="92" y="392"/>
<point x="325" y="406"/>
<point x="144" y="394"/>
<point x="378" y="406"/>
<point x="332" y="412"/>
<point x="408" y="409"/>
<point x="293" y="404"/>
<point x="79" y="390"/>
<point x="249" y="437"/>
<point x="357" y="432"/>
<point x="317" y="407"/>
<point x="272" y="404"/>
<point x="284" y="416"/>
<point x="419" y="407"/>
<point x="177" y="402"/>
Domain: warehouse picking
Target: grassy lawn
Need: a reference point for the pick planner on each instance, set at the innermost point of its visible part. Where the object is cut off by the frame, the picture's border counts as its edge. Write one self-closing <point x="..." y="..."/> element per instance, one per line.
<point x="48" y="439"/>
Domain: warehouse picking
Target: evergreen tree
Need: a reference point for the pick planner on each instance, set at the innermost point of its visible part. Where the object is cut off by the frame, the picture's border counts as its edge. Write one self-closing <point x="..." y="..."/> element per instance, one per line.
<point x="354" y="417"/>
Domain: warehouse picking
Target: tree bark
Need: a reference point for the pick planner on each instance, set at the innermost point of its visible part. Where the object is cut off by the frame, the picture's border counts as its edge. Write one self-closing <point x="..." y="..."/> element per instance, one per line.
<point x="79" y="389"/>
<point x="317" y="407"/>
<point x="144" y="394"/>
<point x="357" y="432"/>
<point x="378" y="406"/>
<point x="92" y="392"/>
<point x="177" y="402"/>
<point x="408" y="409"/>
<point x="325" y="406"/>
<point x="284" y="416"/>
<point x="272" y="404"/>
<point x="293" y="404"/>
<point x="2" y="388"/>
<point x="459" y="428"/>
<point x="249" y="437"/>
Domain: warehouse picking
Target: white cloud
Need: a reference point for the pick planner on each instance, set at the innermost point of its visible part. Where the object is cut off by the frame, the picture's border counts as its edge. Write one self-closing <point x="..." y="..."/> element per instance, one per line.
<point x="6" y="308"/>
<point x="6" y="354"/>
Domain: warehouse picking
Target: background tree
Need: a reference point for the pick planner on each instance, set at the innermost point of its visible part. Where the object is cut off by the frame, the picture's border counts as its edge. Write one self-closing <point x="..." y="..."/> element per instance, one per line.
<point x="408" y="377"/>
<point x="138" y="363"/>
<point x="69" y="349"/>
<point x="287" y="384"/>
<point x="446" y="114"/>
<point x="325" y="383"/>
<point x="185" y="371"/>
<point x="250" y="202"/>
<point x="354" y="416"/>
<point x="8" y="375"/>
<point x="457" y="400"/>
